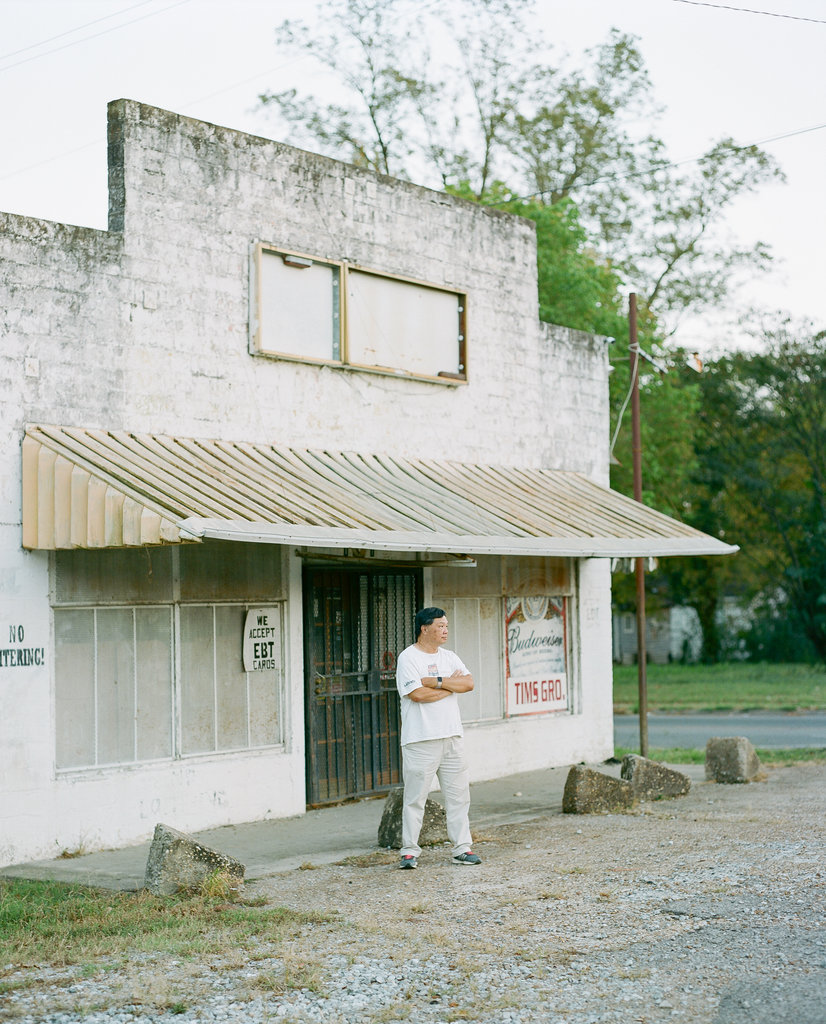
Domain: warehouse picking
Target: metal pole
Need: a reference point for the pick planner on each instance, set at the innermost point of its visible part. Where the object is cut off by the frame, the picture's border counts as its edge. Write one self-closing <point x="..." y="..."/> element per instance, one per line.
<point x="639" y="563"/>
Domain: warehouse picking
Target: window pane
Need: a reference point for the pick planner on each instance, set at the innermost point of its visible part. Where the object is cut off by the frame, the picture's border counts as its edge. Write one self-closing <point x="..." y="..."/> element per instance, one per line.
<point x="74" y="688"/>
<point x="476" y="636"/>
<point x="299" y="308"/>
<point x="231" y="679"/>
<point x="113" y="576"/>
<point x="265" y="725"/>
<point x="197" y="680"/>
<point x="490" y="657"/>
<point x="116" y="686"/>
<point x="229" y="571"/>
<point x="154" y="679"/>
<point x="401" y="325"/>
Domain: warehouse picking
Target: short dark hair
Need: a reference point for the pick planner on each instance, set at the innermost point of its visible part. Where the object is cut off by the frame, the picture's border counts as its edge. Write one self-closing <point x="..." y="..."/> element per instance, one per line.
<point x="424" y="617"/>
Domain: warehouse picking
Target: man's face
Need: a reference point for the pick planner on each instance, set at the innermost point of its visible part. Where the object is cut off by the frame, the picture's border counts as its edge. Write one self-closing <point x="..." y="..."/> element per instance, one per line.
<point x="436" y="632"/>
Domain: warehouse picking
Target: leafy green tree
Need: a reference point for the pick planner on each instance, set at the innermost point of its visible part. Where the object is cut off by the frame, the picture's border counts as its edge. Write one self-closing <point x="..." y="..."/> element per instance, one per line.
<point x="760" y="481"/>
<point x="495" y="112"/>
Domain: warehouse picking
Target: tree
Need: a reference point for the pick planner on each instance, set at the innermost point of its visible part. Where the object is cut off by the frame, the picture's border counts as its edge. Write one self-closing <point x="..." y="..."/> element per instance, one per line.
<point x="360" y="43"/>
<point x="760" y="481"/>
<point x="496" y="112"/>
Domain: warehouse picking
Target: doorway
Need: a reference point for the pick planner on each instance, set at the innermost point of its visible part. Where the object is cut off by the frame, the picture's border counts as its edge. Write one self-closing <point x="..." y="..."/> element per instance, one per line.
<point x="356" y="621"/>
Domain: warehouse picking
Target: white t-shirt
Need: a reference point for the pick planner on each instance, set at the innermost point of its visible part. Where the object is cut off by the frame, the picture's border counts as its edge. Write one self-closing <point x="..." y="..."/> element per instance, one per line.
<point x="431" y="721"/>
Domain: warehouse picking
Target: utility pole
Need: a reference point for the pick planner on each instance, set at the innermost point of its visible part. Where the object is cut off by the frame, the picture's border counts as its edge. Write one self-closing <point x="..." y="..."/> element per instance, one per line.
<point x="639" y="563"/>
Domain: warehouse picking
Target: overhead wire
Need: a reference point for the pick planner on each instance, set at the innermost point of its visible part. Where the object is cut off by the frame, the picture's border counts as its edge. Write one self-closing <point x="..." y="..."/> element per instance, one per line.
<point x="666" y="165"/>
<point x="94" y="35"/>
<point x="71" y="31"/>
<point x="185" y="103"/>
<point x="751" y="10"/>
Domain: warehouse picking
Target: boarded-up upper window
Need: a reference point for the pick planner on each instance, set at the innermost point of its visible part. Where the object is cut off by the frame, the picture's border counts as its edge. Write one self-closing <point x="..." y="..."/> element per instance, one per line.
<point x="335" y="313"/>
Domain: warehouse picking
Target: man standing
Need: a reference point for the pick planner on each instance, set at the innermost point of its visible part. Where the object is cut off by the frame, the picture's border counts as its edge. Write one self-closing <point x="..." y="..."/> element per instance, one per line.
<point x="428" y="677"/>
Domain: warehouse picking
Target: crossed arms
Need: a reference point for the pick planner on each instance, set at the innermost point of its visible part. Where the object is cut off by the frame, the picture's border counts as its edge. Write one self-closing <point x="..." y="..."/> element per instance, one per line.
<point x="430" y="690"/>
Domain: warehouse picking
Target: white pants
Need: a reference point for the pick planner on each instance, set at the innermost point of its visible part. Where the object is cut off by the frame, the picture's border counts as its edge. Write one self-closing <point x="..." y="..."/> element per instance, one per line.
<point x="421" y="763"/>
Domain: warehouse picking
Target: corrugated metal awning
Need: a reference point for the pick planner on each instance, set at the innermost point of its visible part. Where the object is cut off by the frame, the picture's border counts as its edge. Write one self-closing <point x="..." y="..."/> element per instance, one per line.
<point x="98" y="488"/>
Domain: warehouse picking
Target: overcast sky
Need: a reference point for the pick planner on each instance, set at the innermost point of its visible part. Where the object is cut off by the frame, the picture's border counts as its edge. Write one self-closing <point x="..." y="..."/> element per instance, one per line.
<point x="719" y="72"/>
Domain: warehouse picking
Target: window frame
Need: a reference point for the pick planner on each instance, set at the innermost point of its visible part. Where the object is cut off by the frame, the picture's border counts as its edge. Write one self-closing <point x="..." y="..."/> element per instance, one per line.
<point x="344" y="268"/>
<point x="176" y="697"/>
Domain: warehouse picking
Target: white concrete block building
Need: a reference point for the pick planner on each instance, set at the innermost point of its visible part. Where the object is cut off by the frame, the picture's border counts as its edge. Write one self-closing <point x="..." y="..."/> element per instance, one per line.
<point x="247" y="430"/>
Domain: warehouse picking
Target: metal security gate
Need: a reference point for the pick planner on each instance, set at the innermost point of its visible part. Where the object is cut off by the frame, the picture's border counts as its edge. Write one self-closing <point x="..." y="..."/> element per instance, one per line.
<point x="355" y="623"/>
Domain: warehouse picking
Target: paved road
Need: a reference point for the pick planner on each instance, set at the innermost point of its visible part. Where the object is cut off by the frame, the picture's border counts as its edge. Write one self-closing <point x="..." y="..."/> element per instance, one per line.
<point x="764" y="729"/>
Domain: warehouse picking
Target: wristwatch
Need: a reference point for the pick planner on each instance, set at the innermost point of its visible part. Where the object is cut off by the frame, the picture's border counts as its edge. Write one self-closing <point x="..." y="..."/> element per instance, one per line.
<point x="438" y="682"/>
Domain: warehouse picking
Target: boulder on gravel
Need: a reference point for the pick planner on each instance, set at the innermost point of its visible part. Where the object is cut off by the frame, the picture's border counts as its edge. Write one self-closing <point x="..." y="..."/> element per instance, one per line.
<point x="176" y="861"/>
<point x="434" y="823"/>
<point x="652" y="780"/>
<point x="591" y="792"/>
<point x="732" y="759"/>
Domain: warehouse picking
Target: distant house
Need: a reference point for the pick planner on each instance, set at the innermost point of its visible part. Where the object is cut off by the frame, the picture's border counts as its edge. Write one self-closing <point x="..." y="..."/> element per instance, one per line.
<point x="671" y="634"/>
<point x="278" y="405"/>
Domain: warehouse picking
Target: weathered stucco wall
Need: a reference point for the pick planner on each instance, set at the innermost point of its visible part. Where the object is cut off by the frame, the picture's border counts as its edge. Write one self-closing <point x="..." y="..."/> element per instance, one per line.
<point x="145" y="327"/>
<point x="159" y="314"/>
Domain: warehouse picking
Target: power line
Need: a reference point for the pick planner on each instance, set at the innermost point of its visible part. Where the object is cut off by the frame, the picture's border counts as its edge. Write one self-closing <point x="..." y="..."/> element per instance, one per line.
<point x="186" y="103"/>
<point x="666" y="165"/>
<point x="77" y="28"/>
<point x="749" y="10"/>
<point x="94" y="35"/>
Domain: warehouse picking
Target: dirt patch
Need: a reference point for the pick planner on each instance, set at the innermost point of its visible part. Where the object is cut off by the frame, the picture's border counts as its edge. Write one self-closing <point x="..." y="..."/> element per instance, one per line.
<point x="709" y="908"/>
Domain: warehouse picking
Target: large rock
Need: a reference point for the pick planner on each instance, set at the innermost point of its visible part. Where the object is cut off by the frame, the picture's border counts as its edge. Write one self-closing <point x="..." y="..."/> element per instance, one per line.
<point x="176" y="861"/>
<point x="732" y="759"/>
<point x="434" y="822"/>
<point x="652" y="780"/>
<point x="591" y="792"/>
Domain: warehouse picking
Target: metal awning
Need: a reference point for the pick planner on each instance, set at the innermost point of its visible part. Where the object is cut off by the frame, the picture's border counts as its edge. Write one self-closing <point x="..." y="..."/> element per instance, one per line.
<point x="107" y="488"/>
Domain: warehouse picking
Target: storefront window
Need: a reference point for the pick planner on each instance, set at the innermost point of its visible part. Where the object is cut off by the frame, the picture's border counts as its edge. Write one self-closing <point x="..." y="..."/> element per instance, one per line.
<point x="336" y="313"/>
<point x="145" y="682"/>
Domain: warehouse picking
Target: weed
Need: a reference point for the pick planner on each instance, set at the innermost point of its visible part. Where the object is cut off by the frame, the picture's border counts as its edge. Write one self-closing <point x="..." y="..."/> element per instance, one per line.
<point x="219" y="887"/>
<point x="300" y="974"/>
<point x="77" y="851"/>
<point x="254" y="901"/>
<point x="308" y="866"/>
<point x="54" y="923"/>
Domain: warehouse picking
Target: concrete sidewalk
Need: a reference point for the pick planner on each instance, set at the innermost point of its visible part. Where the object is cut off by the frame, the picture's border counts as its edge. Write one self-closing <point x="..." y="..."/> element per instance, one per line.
<point x="319" y="836"/>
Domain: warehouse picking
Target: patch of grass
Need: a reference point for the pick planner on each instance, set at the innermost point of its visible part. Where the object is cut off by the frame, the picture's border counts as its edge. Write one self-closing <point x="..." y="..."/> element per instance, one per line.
<point x="729" y="686"/>
<point x="798" y="755"/>
<point x="54" y="923"/>
<point x="669" y="755"/>
<point x="768" y="756"/>
<point x="294" y="974"/>
<point x="219" y="887"/>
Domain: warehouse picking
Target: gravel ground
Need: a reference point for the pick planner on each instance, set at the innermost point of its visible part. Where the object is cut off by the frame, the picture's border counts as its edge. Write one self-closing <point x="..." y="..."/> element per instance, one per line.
<point x="709" y="908"/>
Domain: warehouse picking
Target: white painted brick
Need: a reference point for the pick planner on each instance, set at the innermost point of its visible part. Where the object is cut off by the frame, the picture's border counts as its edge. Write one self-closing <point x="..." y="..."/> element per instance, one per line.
<point x="146" y="329"/>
